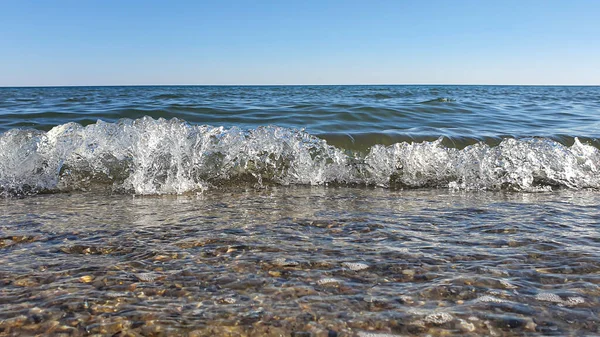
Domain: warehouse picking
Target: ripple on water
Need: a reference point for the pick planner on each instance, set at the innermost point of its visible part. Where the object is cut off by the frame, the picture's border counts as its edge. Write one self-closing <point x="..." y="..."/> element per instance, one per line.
<point x="242" y="262"/>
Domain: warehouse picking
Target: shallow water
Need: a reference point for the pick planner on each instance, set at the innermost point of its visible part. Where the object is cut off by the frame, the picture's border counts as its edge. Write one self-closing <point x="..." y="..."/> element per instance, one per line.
<point x="283" y="260"/>
<point x="302" y="211"/>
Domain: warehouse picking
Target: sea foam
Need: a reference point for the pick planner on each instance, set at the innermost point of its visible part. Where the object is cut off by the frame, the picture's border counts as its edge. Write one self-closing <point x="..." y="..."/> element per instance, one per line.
<point x="148" y="156"/>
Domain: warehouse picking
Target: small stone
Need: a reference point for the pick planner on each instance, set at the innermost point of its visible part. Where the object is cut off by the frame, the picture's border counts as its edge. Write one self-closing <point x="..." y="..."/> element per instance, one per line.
<point x="25" y="282"/>
<point x="355" y="266"/>
<point x="117" y="294"/>
<point x="466" y="326"/>
<point x="162" y="258"/>
<point x="228" y="300"/>
<point x="283" y="262"/>
<point x="328" y="281"/>
<point x="375" y="299"/>
<point x="548" y="297"/>
<point x="36" y="311"/>
<point x="86" y="279"/>
<point x="279" y="261"/>
<point x="416" y="327"/>
<point x="408" y="272"/>
<point x="438" y="318"/>
<point x="146" y="277"/>
<point x="274" y="273"/>
<point x="508" y="285"/>
<point x="406" y="299"/>
<point x="487" y="298"/>
<point x="530" y="326"/>
<point x="574" y="301"/>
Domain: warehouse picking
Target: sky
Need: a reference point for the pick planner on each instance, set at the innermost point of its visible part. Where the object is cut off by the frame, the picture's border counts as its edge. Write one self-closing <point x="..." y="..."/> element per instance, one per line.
<point x="130" y="42"/>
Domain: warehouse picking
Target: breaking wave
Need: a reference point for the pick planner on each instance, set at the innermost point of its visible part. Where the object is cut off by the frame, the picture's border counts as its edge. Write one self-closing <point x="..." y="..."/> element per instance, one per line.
<point x="148" y="156"/>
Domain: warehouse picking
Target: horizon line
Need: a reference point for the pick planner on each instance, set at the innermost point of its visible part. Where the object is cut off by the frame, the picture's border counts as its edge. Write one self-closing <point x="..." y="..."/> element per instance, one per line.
<point x="289" y="85"/>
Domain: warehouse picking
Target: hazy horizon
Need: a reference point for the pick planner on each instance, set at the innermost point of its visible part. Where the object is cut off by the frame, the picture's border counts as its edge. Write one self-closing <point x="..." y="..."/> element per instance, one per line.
<point x="298" y="85"/>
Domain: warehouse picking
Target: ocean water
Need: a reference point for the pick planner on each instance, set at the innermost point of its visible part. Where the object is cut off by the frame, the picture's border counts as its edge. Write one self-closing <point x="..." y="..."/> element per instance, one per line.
<point x="300" y="211"/>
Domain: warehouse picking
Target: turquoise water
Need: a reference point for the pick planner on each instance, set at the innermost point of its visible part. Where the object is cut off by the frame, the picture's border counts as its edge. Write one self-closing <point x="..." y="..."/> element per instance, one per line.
<point x="300" y="211"/>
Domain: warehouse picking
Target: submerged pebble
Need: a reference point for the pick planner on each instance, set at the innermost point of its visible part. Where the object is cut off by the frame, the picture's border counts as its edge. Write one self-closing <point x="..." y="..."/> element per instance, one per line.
<point x="329" y="281"/>
<point x="86" y="279"/>
<point x="571" y="301"/>
<point x="146" y="277"/>
<point x="466" y="326"/>
<point x="438" y="318"/>
<point x="487" y="298"/>
<point x="283" y="262"/>
<point x="548" y="297"/>
<point x="355" y="266"/>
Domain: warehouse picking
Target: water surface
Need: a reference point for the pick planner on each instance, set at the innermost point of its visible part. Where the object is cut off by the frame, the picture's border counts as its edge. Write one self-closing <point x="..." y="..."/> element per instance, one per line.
<point x="314" y="260"/>
<point x="300" y="211"/>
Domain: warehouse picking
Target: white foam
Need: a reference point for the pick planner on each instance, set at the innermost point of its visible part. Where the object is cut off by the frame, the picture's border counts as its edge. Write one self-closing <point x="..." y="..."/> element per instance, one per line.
<point x="148" y="156"/>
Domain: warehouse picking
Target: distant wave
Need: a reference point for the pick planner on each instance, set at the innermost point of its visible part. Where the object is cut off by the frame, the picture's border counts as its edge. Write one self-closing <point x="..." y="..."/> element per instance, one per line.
<point x="438" y="100"/>
<point x="76" y="99"/>
<point x="158" y="156"/>
<point x="167" y="96"/>
<point x="378" y="96"/>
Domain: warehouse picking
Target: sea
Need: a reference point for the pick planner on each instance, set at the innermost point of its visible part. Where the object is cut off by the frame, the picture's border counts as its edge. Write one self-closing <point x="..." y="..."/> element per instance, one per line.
<point x="368" y="211"/>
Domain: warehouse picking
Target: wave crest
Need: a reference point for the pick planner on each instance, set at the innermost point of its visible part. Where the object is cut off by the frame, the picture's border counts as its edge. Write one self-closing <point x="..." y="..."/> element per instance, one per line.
<point x="148" y="156"/>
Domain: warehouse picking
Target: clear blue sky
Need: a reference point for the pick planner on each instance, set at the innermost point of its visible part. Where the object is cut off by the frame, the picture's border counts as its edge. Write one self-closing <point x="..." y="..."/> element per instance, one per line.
<point x="104" y="42"/>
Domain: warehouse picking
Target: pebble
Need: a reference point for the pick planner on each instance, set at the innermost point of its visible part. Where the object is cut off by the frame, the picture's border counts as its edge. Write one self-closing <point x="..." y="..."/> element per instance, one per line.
<point x="355" y="266"/>
<point x="162" y="258"/>
<point x="508" y="285"/>
<point x="328" y="281"/>
<point x="26" y="282"/>
<point x="487" y="298"/>
<point x="438" y="318"/>
<point x="530" y="326"/>
<point x="283" y="262"/>
<point x="228" y="300"/>
<point x="86" y="279"/>
<point x="146" y="277"/>
<point x="466" y="326"/>
<point x="117" y="294"/>
<point x="548" y="297"/>
<point x="574" y="301"/>
<point x="406" y="299"/>
<point x="408" y="272"/>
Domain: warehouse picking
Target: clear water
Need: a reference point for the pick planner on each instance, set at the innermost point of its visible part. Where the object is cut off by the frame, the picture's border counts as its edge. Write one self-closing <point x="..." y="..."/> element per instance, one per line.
<point x="300" y="211"/>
